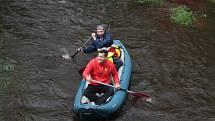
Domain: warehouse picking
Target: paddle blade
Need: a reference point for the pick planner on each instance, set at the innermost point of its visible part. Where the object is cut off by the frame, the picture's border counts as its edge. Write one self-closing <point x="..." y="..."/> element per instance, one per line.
<point x="149" y="99"/>
<point x="140" y="94"/>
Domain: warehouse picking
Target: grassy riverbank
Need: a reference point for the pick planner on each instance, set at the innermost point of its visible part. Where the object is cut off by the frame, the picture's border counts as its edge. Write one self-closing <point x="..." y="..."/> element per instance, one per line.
<point x="182" y="15"/>
<point x="212" y="1"/>
<point x="150" y="2"/>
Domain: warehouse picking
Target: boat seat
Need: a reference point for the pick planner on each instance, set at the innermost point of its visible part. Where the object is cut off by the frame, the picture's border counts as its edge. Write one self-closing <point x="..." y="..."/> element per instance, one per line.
<point x="99" y="94"/>
<point x="85" y="100"/>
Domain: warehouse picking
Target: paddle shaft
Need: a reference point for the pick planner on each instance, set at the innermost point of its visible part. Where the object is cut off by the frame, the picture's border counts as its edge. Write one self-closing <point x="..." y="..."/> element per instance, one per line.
<point x="131" y="92"/>
<point x="73" y="56"/>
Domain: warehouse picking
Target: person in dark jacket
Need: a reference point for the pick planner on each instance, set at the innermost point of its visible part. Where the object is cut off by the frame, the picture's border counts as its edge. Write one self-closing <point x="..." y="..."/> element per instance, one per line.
<point x="100" y="40"/>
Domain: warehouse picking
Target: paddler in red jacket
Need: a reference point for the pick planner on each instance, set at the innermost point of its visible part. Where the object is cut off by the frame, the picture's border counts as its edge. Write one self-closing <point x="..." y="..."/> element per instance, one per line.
<point x="100" y="69"/>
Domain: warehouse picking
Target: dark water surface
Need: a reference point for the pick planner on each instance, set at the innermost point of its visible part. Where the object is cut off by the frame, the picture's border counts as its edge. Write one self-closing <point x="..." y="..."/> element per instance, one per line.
<point x="174" y="64"/>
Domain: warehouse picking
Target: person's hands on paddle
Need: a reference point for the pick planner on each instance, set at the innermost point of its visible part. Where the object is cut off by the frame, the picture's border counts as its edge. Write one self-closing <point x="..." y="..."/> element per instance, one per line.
<point x="80" y="49"/>
<point x="88" y="78"/>
<point x="117" y="86"/>
<point x="93" y="36"/>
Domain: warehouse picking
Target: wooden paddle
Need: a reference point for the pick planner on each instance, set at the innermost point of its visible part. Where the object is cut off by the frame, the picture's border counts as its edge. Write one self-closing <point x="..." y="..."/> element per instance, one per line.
<point x="138" y="94"/>
<point x="77" y="51"/>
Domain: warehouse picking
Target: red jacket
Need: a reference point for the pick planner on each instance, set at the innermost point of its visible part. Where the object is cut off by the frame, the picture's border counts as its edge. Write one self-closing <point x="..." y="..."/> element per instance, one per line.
<point x="101" y="72"/>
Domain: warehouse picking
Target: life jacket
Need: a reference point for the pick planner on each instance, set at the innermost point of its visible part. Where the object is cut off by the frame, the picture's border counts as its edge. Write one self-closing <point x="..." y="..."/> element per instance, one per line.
<point x="113" y="51"/>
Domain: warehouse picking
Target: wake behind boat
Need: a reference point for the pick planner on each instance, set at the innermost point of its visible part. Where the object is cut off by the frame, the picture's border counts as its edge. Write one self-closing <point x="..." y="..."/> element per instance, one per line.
<point x="86" y="109"/>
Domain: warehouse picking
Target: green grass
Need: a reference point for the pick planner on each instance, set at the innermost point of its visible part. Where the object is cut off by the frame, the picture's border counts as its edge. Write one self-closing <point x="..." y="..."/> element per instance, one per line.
<point x="6" y="85"/>
<point x="182" y="15"/>
<point x="5" y="70"/>
<point x="212" y="1"/>
<point x="150" y="2"/>
<point x="5" y="67"/>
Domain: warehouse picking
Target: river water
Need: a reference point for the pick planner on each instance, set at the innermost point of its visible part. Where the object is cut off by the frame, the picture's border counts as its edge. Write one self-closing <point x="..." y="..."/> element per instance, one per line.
<point x="175" y="64"/>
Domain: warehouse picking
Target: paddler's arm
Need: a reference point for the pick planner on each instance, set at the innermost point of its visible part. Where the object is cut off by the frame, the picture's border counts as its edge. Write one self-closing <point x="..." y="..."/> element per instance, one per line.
<point x="115" y="78"/>
<point x="87" y="70"/>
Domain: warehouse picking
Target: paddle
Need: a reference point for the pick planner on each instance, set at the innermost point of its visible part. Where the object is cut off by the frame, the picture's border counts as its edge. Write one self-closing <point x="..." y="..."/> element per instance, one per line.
<point x="73" y="56"/>
<point x="138" y="94"/>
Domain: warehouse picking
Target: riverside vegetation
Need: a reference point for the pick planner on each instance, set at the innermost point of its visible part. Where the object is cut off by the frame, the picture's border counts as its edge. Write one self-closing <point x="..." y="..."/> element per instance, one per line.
<point x="6" y="82"/>
<point x="182" y="15"/>
<point x="150" y="2"/>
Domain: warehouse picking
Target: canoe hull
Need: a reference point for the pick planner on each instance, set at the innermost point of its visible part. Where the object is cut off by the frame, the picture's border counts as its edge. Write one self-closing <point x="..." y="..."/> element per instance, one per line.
<point x="88" y="111"/>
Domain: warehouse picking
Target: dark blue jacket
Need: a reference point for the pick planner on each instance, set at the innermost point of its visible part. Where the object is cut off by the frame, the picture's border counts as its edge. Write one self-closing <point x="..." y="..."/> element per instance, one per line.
<point x="105" y="41"/>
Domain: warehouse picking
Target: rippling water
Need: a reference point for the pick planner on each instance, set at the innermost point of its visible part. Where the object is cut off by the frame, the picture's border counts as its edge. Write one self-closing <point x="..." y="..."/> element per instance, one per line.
<point x="174" y="64"/>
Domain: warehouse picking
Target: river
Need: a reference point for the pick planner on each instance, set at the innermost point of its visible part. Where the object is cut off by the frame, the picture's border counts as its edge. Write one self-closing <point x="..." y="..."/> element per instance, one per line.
<point x="175" y="64"/>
